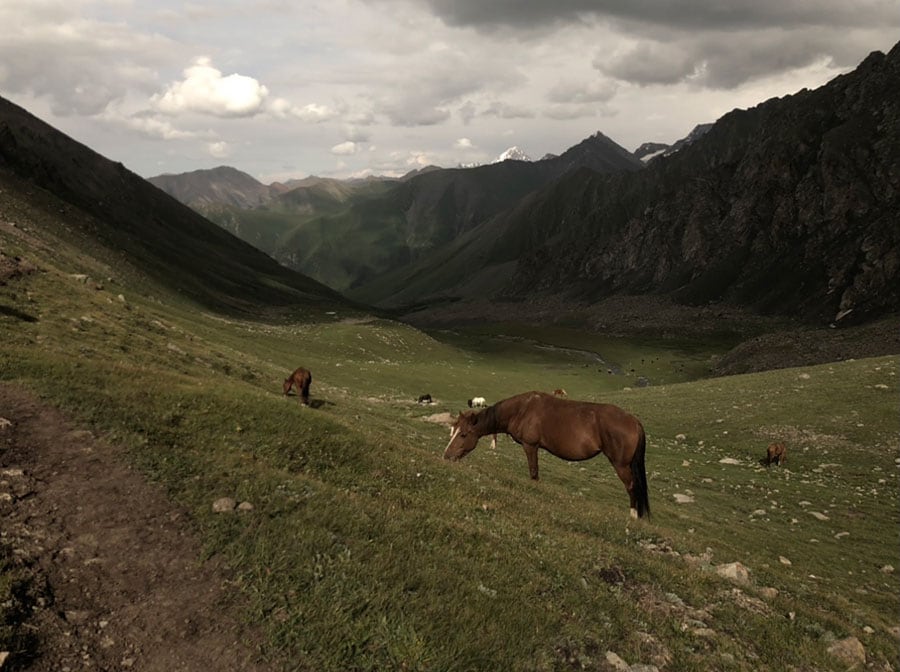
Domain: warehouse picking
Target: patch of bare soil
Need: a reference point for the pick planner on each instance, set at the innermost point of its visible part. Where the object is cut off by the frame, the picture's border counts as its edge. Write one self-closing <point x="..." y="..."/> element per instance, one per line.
<point x="116" y="579"/>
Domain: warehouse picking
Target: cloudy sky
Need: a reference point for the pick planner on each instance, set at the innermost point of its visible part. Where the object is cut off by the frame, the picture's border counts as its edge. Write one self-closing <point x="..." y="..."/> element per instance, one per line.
<point x="281" y="88"/>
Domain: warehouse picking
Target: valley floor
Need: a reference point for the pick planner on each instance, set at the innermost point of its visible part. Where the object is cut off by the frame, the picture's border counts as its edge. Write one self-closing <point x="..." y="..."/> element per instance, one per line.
<point x="109" y="569"/>
<point x="765" y="342"/>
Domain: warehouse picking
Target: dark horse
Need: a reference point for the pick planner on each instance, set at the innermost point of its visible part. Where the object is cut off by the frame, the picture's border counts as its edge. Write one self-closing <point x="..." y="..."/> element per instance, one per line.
<point x="777" y="453"/>
<point x="572" y="430"/>
<point x="302" y="379"/>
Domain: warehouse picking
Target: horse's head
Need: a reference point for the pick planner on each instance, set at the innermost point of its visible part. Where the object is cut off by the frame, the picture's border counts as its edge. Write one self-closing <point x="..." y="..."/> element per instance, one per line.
<point x="463" y="436"/>
<point x="287" y="385"/>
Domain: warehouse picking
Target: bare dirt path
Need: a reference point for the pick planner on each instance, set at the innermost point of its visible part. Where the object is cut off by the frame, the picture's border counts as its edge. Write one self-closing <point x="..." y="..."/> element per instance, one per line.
<point x="117" y="577"/>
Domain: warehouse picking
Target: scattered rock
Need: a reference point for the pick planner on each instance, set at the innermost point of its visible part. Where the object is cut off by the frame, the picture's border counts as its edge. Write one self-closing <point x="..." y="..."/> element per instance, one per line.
<point x="490" y="592"/>
<point x="887" y="569"/>
<point x="803" y="376"/>
<point x="768" y="592"/>
<point x="818" y="516"/>
<point x="680" y="437"/>
<point x="729" y="460"/>
<point x="245" y="506"/>
<point x="617" y="663"/>
<point x="784" y="561"/>
<point x="683" y="499"/>
<point x="224" y="505"/>
<point x="849" y="650"/>
<point x="5" y="424"/>
<point x="734" y="571"/>
<point x="841" y="535"/>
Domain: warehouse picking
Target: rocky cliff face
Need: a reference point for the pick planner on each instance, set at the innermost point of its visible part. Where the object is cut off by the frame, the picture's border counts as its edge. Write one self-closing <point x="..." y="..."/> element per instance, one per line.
<point x="791" y="207"/>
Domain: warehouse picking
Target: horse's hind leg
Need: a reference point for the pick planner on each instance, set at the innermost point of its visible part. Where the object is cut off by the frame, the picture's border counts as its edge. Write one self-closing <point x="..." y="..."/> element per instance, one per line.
<point x="627" y="479"/>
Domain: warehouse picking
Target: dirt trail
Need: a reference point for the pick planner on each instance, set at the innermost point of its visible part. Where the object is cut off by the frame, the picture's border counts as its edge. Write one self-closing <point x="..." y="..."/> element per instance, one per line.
<point x="118" y="581"/>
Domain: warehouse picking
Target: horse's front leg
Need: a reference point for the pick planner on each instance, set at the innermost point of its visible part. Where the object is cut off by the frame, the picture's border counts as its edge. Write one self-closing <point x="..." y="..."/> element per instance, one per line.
<point x="531" y="453"/>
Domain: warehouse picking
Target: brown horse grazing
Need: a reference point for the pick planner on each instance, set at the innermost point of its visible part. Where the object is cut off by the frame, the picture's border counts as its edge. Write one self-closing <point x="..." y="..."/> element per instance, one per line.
<point x="777" y="453"/>
<point x="302" y="379"/>
<point x="572" y="430"/>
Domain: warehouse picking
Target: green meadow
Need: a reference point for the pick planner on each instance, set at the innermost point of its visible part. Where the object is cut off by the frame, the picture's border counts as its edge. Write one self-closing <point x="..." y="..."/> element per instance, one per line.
<point x="366" y="551"/>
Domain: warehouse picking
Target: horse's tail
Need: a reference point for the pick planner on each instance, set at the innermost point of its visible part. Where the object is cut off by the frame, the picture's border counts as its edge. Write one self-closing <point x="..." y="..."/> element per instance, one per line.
<point x="639" y="477"/>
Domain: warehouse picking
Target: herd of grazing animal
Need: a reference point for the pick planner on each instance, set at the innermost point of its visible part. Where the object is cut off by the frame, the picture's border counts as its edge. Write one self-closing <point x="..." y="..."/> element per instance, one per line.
<point x="571" y="430"/>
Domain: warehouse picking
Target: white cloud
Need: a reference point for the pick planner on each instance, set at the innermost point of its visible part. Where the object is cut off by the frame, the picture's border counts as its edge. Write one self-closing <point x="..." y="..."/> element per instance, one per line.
<point x="219" y="150"/>
<point x="345" y="148"/>
<point x="156" y="128"/>
<point x="418" y="159"/>
<point x="204" y="90"/>
<point x="312" y="113"/>
<point x="463" y="143"/>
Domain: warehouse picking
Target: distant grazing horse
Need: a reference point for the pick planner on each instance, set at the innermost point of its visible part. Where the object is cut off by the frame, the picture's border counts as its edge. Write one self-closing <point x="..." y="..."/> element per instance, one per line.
<point x="477" y="402"/>
<point x="572" y="430"/>
<point x="777" y="453"/>
<point x="424" y="399"/>
<point x="560" y="392"/>
<point x="302" y="379"/>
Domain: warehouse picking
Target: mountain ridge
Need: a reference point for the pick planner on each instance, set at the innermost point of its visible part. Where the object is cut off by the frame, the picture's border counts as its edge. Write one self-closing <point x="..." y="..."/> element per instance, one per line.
<point x="168" y="241"/>
<point x="381" y="223"/>
<point x="784" y="208"/>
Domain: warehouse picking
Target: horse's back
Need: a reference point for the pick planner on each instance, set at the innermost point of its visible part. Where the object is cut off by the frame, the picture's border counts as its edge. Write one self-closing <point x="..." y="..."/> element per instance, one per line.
<point x="301" y="374"/>
<point x="579" y="430"/>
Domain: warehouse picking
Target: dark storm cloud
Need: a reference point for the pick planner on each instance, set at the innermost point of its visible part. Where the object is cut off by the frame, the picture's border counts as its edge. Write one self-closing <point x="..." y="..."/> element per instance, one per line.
<point x="710" y="43"/>
<point x="725" y="60"/>
<point x="695" y="14"/>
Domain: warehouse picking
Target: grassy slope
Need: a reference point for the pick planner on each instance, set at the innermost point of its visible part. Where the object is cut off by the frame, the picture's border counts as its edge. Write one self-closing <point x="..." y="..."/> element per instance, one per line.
<point x="366" y="551"/>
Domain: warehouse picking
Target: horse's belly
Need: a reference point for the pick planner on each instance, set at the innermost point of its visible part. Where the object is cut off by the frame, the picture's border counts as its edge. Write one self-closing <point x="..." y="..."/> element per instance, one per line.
<point x="573" y="453"/>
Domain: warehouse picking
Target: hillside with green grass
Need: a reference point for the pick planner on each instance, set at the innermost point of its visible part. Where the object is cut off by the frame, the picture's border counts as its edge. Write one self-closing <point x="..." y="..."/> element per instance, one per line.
<point x="366" y="551"/>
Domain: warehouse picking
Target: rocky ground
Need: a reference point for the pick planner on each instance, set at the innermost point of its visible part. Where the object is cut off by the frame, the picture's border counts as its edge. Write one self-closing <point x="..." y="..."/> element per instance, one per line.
<point x="111" y="574"/>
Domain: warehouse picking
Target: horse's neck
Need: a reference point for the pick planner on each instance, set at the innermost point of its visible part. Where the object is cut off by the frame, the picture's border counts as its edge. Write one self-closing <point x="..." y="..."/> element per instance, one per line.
<point x="492" y="420"/>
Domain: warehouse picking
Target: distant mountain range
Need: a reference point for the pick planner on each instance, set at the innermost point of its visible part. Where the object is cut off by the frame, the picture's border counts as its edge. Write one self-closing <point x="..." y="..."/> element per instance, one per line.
<point x="346" y="233"/>
<point x="790" y="207"/>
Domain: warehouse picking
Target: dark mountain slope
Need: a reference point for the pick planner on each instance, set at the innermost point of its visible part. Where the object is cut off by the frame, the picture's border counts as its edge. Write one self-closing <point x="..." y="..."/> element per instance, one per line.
<point x="790" y="207"/>
<point x="165" y="239"/>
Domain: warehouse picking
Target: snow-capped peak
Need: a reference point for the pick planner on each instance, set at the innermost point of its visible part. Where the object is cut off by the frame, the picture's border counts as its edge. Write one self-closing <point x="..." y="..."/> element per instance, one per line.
<point x="513" y="154"/>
